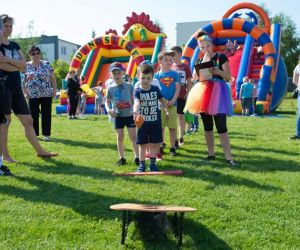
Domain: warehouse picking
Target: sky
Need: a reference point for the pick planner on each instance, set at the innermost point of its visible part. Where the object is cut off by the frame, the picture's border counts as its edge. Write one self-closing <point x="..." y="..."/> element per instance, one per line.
<point x="74" y="20"/>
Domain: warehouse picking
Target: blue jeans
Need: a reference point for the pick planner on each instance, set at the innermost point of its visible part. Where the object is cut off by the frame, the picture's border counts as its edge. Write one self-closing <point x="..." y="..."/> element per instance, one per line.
<point x="195" y="124"/>
<point x="298" y="118"/>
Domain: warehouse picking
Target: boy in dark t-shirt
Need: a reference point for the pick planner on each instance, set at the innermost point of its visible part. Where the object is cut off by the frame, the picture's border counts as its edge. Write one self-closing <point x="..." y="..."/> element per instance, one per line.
<point x="146" y="99"/>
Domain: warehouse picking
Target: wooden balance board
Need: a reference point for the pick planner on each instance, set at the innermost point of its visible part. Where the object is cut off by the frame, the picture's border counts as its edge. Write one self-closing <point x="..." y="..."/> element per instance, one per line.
<point x="128" y="208"/>
<point x="168" y="172"/>
<point x="150" y="208"/>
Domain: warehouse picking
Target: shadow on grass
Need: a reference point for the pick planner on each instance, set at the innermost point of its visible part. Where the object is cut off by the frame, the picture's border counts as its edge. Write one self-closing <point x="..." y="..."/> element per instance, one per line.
<point x="285" y="112"/>
<point x="261" y="164"/>
<point x="201" y="237"/>
<point x="217" y="178"/>
<point x="65" y="168"/>
<point x="195" y="236"/>
<point x="266" y="163"/>
<point x="85" y="203"/>
<point x="86" y="144"/>
<point x="96" y="206"/>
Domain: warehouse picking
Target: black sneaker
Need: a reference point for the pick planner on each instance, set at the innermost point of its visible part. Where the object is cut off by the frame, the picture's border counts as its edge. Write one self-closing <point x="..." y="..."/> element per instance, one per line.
<point x="121" y="161"/>
<point x="210" y="158"/>
<point x="176" y="144"/>
<point x="137" y="161"/>
<point x="4" y="171"/>
<point x="173" y="152"/>
<point x="294" y="137"/>
<point x="164" y="145"/>
<point x="232" y="163"/>
<point x="161" y="150"/>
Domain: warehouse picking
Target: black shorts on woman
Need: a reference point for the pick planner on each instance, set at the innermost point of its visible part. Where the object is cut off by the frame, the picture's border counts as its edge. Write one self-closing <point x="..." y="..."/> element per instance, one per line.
<point x="13" y="97"/>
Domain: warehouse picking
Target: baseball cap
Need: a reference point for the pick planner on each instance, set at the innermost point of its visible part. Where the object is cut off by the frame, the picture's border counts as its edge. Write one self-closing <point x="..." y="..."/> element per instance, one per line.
<point x="116" y="65"/>
<point x="148" y="62"/>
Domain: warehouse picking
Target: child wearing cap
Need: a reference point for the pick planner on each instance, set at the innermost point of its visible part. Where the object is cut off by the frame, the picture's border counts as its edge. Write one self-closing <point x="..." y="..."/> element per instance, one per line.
<point x="120" y="93"/>
<point x="149" y="135"/>
<point x="170" y="88"/>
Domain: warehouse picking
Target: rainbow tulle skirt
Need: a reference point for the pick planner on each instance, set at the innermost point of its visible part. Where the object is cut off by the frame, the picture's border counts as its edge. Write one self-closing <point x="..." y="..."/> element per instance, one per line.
<point x="210" y="97"/>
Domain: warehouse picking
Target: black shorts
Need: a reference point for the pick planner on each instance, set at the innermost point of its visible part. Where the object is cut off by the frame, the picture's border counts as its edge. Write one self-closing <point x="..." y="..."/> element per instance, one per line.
<point x="150" y="132"/>
<point x="121" y="122"/>
<point x="14" y="100"/>
<point x="246" y="103"/>
<point x="180" y="106"/>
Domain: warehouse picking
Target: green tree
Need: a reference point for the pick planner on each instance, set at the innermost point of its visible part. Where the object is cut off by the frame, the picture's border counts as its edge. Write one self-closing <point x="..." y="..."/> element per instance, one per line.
<point x="28" y="39"/>
<point x="290" y="41"/>
<point x="61" y="69"/>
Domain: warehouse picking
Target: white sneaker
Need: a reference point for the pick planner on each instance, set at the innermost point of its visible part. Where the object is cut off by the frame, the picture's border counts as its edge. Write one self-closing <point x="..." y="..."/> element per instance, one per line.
<point x="46" y="138"/>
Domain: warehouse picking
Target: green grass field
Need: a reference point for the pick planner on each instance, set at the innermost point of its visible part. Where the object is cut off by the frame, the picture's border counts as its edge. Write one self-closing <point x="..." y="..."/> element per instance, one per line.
<point x="63" y="203"/>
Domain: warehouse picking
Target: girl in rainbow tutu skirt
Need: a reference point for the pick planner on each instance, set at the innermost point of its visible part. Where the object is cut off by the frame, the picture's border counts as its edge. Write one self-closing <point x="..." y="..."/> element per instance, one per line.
<point x="211" y="96"/>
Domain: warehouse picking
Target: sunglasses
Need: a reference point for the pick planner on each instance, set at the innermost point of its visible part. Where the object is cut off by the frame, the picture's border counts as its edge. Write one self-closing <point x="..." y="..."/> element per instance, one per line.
<point x="35" y="53"/>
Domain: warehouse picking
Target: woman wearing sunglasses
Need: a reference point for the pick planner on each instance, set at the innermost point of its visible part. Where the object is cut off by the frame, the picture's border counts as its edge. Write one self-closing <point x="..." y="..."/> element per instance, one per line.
<point x="40" y="88"/>
<point x="14" y="99"/>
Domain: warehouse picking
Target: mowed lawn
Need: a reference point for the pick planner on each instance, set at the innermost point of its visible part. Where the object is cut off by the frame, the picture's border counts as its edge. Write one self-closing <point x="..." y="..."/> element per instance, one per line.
<point x="63" y="203"/>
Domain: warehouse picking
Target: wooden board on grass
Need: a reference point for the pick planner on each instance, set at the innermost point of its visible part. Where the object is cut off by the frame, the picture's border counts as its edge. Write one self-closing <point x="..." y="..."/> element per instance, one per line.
<point x="150" y="208"/>
<point x="167" y="172"/>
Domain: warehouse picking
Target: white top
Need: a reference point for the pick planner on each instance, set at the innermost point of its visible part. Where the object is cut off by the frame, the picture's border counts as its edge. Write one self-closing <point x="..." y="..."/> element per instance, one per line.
<point x="296" y="77"/>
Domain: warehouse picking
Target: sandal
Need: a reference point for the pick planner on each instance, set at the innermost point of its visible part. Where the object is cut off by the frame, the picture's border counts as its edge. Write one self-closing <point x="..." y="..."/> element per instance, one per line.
<point x="232" y="163"/>
<point x="47" y="155"/>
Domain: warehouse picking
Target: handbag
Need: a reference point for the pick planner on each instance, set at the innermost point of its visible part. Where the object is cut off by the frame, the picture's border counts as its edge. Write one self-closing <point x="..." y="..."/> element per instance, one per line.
<point x="295" y="93"/>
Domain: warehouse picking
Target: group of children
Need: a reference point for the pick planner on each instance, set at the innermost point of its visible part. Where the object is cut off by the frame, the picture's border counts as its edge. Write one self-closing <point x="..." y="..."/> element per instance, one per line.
<point x="248" y="95"/>
<point x="158" y="97"/>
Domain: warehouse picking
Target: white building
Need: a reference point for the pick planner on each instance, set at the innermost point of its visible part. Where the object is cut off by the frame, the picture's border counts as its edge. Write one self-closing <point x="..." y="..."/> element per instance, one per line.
<point x="185" y="30"/>
<point x="54" y="48"/>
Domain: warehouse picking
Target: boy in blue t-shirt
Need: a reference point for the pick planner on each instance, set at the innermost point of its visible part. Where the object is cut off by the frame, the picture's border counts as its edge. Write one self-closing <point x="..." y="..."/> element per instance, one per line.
<point x="149" y="135"/>
<point x="120" y="93"/>
<point x="246" y="95"/>
<point x="170" y="88"/>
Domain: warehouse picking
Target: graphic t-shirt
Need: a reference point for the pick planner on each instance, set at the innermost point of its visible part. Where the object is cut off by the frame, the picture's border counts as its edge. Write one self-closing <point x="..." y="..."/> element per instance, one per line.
<point x="167" y="83"/>
<point x="121" y="95"/>
<point x="11" y="51"/>
<point x="149" y="105"/>
<point x="184" y="73"/>
<point x="38" y="80"/>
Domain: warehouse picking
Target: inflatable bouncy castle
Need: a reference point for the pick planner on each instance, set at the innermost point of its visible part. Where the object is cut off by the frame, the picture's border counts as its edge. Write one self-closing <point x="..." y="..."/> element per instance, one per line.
<point x="141" y="39"/>
<point x="257" y="53"/>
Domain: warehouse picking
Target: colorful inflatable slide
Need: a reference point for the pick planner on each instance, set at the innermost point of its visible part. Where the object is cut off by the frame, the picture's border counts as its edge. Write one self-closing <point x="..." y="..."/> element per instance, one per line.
<point x="265" y="66"/>
<point x="141" y="40"/>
